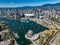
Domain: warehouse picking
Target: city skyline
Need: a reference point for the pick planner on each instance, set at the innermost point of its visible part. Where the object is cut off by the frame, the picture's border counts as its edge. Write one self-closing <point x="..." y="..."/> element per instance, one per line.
<point x="20" y="3"/>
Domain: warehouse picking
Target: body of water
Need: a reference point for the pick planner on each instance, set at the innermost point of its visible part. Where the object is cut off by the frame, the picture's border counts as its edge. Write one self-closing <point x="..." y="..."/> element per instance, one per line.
<point x="21" y="28"/>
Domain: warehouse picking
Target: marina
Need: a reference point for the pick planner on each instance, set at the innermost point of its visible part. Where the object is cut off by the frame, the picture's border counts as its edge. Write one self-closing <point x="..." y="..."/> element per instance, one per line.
<point x="16" y="35"/>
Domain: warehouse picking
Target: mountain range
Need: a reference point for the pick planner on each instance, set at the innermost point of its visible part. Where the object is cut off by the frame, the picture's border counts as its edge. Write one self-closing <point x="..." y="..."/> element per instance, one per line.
<point x="46" y="6"/>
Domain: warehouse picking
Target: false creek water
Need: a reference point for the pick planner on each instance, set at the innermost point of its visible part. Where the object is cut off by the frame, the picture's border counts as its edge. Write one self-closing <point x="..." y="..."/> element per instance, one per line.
<point x="21" y="28"/>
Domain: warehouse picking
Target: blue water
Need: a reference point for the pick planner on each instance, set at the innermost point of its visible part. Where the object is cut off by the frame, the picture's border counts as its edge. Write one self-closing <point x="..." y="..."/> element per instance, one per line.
<point x="22" y="28"/>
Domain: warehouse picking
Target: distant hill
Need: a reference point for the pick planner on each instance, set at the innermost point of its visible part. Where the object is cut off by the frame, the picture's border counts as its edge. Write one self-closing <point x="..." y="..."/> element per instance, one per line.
<point x="46" y="6"/>
<point x="51" y="6"/>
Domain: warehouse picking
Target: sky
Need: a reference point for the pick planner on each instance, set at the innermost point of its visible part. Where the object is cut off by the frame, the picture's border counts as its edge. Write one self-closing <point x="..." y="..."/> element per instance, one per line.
<point x="20" y="3"/>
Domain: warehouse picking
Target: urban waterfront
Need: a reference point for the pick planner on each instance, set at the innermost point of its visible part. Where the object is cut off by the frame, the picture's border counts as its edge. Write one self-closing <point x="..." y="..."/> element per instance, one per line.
<point x="21" y="28"/>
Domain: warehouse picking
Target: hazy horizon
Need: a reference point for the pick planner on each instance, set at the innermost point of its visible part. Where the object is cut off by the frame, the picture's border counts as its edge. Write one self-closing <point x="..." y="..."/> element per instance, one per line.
<point x="21" y="3"/>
